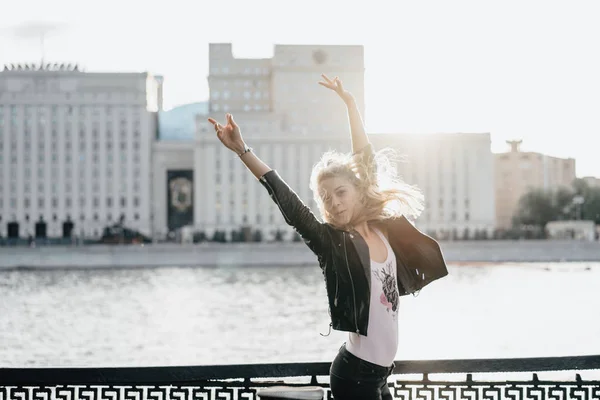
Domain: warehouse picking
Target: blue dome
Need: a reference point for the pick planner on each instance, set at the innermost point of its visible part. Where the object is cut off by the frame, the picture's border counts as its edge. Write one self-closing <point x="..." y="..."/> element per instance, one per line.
<point x="179" y="123"/>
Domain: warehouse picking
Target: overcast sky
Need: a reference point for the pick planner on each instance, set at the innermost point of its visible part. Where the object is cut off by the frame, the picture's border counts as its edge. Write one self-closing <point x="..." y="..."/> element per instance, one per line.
<point x="516" y="69"/>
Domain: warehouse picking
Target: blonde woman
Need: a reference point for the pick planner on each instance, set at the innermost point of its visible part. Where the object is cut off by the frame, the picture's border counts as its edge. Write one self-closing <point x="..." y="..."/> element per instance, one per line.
<point x="368" y="251"/>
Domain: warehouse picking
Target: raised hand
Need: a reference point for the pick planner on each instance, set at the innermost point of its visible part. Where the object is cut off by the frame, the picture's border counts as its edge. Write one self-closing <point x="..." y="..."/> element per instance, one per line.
<point x="337" y="86"/>
<point x="230" y="134"/>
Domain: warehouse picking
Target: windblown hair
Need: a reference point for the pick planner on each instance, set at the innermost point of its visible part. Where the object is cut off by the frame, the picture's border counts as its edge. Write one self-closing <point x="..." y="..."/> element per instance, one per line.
<point x="383" y="194"/>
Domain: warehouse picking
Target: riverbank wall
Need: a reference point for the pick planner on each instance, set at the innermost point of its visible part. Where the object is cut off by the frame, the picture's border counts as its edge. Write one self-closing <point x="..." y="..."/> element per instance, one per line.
<point x="280" y="254"/>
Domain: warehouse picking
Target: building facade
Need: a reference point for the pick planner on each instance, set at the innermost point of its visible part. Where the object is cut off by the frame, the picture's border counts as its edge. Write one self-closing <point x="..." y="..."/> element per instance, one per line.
<point x="516" y="172"/>
<point x="75" y="149"/>
<point x="287" y="118"/>
<point x="592" y="181"/>
<point x="290" y="121"/>
<point x="453" y="171"/>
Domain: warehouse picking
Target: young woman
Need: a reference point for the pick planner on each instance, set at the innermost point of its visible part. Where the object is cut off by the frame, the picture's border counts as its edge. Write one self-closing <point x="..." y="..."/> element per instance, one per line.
<point x="368" y="251"/>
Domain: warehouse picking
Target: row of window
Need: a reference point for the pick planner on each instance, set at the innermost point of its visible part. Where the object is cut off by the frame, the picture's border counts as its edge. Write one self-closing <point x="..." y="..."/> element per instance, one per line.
<point x="68" y="202"/>
<point x="453" y="216"/>
<point x="121" y="111"/>
<point x="83" y="134"/>
<point x="95" y="217"/>
<point x="245" y="107"/>
<point x="232" y="219"/>
<point x="54" y="158"/>
<point x="246" y="70"/>
<point x="95" y="173"/>
<point x="226" y="94"/>
<point x="69" y="186"/>
<point x="69" y="146"/>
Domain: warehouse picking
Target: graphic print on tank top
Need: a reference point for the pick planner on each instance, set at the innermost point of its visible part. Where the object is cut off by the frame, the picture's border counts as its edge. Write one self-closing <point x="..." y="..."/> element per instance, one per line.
<point x="389" y="296"/>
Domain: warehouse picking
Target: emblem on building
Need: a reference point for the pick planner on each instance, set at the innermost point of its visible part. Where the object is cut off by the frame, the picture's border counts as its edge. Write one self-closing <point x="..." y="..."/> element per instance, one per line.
<point x="181" y="193"/>
<point x="319" y="56"/>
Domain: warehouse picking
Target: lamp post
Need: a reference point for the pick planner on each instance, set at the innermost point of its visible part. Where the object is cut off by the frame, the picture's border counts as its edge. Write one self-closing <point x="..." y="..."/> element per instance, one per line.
<point x="578" y="201"/>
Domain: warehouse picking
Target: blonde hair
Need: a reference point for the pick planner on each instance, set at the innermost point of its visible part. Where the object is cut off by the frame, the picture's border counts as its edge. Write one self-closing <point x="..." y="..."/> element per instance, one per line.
<point x="383" y="194"/>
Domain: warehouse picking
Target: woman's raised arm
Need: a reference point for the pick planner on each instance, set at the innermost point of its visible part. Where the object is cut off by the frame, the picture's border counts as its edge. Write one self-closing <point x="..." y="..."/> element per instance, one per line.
<point x="358" y="134"/>
<point x="231" y="137"/>
<point x="294" y="211"/>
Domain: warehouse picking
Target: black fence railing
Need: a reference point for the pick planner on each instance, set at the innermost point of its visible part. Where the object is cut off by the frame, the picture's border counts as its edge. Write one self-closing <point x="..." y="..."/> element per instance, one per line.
<point x="242" y="381"/>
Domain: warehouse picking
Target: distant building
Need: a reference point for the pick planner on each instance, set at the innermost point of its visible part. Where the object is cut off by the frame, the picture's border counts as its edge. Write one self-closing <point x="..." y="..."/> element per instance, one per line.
<point x="75" y="149"/>
<point x="454" y="173"/>
<point x="517" y="172"/>
<point x="286" y="117"/>
<point x="179" y="123"/>
<point x="592" y="181"/>
<point x="290" y="122"/>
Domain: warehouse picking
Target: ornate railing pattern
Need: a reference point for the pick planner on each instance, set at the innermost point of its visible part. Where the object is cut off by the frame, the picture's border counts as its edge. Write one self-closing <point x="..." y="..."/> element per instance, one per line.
<point x="242" y="381"/>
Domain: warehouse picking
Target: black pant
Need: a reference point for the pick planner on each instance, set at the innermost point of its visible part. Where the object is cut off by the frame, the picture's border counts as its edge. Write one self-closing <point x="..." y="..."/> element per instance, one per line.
<point x="353" y="378"/>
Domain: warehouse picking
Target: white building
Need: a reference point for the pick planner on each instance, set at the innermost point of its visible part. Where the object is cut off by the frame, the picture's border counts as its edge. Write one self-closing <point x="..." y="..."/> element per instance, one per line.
<point x="75" y="146"/>
<point x="455" y="173"/>
<point x="290" y="121"/>
<point x="286" y="117"/>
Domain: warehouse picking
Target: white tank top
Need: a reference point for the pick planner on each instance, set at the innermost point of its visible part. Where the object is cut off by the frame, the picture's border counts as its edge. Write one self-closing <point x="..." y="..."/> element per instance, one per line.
<point x="381" y="343"/>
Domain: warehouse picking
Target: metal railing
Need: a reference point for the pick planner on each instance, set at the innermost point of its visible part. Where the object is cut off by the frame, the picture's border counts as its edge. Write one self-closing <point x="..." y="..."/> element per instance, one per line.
<point x="242" y="381"/>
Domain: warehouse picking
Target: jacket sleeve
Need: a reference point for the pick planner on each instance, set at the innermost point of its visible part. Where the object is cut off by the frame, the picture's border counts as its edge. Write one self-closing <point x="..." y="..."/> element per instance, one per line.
<point x="295" y="212"/>
<point x="365" y="162"/>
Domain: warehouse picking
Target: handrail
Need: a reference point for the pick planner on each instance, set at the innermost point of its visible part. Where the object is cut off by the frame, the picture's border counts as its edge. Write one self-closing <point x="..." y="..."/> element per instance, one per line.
<point x="182" y="375"/>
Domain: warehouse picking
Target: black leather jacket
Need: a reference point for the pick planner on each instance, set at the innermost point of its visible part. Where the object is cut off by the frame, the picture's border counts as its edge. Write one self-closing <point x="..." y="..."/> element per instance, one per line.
<point x="344" y="257"/>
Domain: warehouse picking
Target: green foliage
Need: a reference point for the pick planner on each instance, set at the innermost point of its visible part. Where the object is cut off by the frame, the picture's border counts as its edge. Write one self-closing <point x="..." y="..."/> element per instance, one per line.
<point x="538" y="207"/>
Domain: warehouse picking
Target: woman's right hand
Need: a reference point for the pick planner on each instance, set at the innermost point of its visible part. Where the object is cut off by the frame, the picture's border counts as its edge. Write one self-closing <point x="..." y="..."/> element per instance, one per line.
<point x="336" y="85"/>
<point x="230" y="134"/>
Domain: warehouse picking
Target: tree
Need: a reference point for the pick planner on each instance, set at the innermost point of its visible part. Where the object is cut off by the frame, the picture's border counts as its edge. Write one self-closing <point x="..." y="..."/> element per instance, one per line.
<point x="199" y="237"/>
<point x="536" y="208"/>
<point x="590" y="208"/>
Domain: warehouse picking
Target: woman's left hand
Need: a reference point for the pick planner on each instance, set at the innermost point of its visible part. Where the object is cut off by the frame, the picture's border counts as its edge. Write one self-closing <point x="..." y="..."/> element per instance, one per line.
<point x="336" y="86"/>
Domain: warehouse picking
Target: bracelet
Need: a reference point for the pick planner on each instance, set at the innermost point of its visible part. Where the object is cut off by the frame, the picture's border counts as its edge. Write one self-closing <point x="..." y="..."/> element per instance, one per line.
<point x="246" y="150"/>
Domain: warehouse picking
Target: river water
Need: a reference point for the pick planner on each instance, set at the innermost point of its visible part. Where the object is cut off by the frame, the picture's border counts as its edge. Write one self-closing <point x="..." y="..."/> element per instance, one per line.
<point x="201" y="316"/>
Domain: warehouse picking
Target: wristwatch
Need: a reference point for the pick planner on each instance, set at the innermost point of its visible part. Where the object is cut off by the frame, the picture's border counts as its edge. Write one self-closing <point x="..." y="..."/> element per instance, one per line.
<point x="246" y="150"/>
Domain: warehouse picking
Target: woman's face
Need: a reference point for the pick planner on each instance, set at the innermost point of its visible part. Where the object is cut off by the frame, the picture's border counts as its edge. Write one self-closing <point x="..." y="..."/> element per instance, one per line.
<point x="341" y="199"/>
